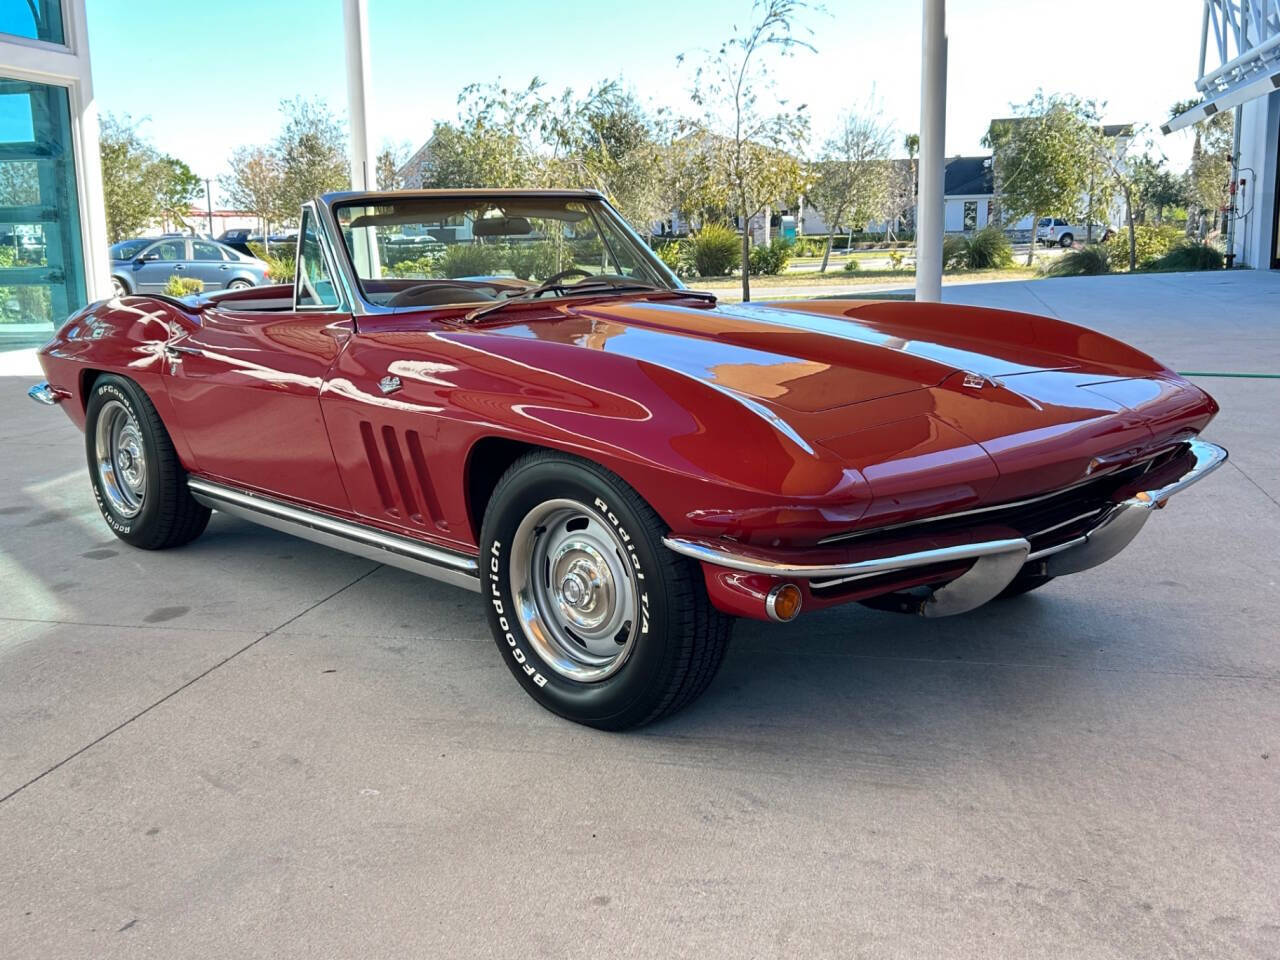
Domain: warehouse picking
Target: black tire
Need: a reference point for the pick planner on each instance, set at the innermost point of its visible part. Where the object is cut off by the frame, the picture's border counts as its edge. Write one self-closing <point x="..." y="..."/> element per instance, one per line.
<point x="1029" y="578"/>
<point x="239" y="285"/>
<point x="119" y="287"/>
<point x="1066" y="240"/>
<point x="167" y="516"/>
<point x="680" y="639"/>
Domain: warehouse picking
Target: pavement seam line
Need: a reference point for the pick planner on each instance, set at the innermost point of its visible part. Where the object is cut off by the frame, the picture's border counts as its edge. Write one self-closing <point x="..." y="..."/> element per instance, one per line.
<point x="1260" y="488"/>
<point x="173" y="693"/>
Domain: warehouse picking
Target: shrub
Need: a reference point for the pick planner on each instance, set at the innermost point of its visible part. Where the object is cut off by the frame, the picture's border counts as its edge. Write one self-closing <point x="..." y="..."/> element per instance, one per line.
<point x="1190" y="256"/>
<point x="1151" y="241"/>
<point x="809" y="246"/>
<point x="771" y="258"/>
<point x="424" y="266"/>
<point x="1086" y="261"/>
<point x="470" y="260"/>
<point x="716" y="250"/>
<point x="533" y="260"/>
<point x="851" y="265"/>
<point x="280" y="269"/>
<point x="895" y="259"/>
<point x="183" y="286"/>
<point x="985" y="249"/>
<point x="678" y="256"/>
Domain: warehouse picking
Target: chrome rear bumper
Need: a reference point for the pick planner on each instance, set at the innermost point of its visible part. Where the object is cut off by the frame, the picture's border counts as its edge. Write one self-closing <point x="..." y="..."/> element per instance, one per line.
<point x="43" y="393"/>
<point x="996" y="561"/>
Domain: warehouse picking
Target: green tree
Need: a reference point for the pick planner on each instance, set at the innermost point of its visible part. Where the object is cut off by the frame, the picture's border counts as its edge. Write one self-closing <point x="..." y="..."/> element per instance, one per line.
<point x="1210" y="170"/>
<point x="127" y="184"/>
<point x="1047" y="159"/>
<point x="312" y="152"/>
<point x="391" y="158"/>
<point x="608" y="140"/>
<point x="1163" y="189"/>
<point x="176" y="188"/>
<point x="255" y="184"/>
<point x="686" y="179"/>
<point x="752" y="137"/>
<point x="852" y="177"/>
<point x="473" y="155"/>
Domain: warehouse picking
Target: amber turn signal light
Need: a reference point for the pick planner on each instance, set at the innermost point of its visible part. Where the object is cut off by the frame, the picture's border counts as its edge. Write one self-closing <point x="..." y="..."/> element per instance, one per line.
<point x="783" y="602"/>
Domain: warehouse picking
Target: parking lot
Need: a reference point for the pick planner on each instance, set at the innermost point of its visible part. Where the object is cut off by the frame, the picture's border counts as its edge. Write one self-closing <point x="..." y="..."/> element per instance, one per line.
<point x="255" y="746"/>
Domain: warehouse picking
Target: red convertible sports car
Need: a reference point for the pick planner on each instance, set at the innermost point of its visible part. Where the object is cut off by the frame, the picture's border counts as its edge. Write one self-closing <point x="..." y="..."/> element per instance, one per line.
<point x="508" y="391"/>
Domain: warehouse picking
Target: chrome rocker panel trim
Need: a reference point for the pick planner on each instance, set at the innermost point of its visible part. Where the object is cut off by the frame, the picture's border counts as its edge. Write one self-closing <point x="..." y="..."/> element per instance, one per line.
<point x="43" y="393"/>
<point x="355" y="538"/>
<point x="997" y="562"/>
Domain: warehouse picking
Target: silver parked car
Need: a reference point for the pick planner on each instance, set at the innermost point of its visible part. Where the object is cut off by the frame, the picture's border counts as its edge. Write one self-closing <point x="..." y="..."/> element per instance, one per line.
<point x="145" y="265"/>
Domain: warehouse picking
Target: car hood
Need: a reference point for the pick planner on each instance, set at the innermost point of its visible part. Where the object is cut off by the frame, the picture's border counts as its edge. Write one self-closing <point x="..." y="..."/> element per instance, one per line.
<point x="1000" y="404"/>
<point x="796" y="361"/>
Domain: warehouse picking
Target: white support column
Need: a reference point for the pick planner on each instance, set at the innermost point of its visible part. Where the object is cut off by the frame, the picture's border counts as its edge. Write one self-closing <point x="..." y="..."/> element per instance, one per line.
<point x="933" y="121"/>
<point x="355" y="15"/>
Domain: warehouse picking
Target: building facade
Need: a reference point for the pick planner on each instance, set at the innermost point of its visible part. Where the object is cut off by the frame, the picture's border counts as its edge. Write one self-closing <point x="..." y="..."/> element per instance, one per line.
<point x="1257" y="200"/>
<point x="53" y="235"/>
<point x="1240" y="71"/>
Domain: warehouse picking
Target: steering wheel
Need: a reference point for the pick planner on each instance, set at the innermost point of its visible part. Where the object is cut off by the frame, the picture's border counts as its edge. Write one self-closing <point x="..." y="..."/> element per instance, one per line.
<point x="572" y="271"/>
<point x="413" y="296"/>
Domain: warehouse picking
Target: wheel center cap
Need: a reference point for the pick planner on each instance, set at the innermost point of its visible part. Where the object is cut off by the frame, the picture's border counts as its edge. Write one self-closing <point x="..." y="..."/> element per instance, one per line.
<point x="575" y="591"/>
<point x="126" y="459"/>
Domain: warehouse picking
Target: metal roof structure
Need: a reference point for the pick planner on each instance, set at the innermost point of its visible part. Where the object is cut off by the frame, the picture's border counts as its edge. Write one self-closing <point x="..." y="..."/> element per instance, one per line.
<point x="1239" y="57"/>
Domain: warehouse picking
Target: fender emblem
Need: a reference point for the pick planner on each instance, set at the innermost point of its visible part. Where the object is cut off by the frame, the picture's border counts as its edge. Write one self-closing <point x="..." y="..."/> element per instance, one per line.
<point x="389" y="384"/>
<point x="975" y="381"/>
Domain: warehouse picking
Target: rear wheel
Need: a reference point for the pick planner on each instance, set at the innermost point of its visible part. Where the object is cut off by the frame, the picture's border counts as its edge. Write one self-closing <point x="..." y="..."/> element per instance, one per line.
<point x="597" y="620"/>
<point x="239" y="285"/>
<point x="138" y="482"/>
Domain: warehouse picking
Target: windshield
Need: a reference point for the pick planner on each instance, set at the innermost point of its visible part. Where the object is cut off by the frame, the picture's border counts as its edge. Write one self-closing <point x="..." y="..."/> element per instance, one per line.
<point x="443" y="251"/>
<point x="128" y="249"/>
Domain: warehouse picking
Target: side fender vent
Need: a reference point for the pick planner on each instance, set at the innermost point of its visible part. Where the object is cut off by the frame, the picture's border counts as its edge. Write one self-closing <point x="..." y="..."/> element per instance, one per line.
<point x="376" y="468"/>
<point x="401" y="476"/>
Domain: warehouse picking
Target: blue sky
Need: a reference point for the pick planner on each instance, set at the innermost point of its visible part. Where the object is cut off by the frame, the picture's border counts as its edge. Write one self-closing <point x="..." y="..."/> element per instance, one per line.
<point x="207" y="77"/>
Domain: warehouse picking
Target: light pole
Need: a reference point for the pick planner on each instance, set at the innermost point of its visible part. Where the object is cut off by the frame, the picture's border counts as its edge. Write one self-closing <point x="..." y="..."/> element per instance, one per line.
<point x="208" y="200"/>
<point x="933" y="130"/>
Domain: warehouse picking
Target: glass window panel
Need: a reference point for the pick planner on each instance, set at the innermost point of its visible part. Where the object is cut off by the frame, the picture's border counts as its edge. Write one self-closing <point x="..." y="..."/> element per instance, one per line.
<point x="315" y="286"/>
<point x="167" y="250"/>
<point x="33" y="19"/>
<point x="205" y="251"/>
<point x="41" y="257"/>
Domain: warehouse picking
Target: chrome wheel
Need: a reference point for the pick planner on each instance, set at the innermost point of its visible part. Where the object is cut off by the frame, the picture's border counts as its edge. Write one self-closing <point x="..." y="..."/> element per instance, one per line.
<point x="575" y="595"/>
<point x="122" y="459"/>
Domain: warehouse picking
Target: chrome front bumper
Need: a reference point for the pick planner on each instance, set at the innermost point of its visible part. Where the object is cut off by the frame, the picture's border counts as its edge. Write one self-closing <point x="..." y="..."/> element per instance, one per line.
<point x="43" y="393"/>
<point x="996" y="561"/>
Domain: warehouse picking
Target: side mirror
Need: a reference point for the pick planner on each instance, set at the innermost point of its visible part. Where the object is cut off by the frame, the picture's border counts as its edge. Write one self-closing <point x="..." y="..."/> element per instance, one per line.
<point x="139" y="262"/>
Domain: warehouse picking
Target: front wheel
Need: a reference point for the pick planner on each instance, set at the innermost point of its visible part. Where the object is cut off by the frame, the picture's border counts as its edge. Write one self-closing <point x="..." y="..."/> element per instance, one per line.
<point x="140" y="486"/>
<point x="1066" y="241"/>
<point x="118" y="287"/>
<point x="597" y="620"/>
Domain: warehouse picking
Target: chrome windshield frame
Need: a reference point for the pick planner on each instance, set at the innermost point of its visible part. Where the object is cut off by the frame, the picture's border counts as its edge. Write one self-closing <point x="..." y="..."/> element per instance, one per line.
<point x="326" y="218"/>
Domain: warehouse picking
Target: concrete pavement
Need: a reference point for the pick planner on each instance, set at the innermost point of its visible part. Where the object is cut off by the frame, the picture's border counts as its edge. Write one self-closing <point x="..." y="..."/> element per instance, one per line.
<point x="257" y="747"/>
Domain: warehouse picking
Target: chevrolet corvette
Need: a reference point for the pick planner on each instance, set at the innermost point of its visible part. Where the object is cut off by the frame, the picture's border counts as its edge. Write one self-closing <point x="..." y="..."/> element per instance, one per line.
<point x="530" y="405"/>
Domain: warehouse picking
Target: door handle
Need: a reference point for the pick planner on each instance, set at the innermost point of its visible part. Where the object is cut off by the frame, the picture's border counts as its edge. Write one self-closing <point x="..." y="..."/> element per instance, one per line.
<point x="178" y="266"/>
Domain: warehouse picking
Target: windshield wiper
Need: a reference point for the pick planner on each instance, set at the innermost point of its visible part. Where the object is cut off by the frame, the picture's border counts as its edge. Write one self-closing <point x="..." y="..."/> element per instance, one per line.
<point x="592" y="285"/>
